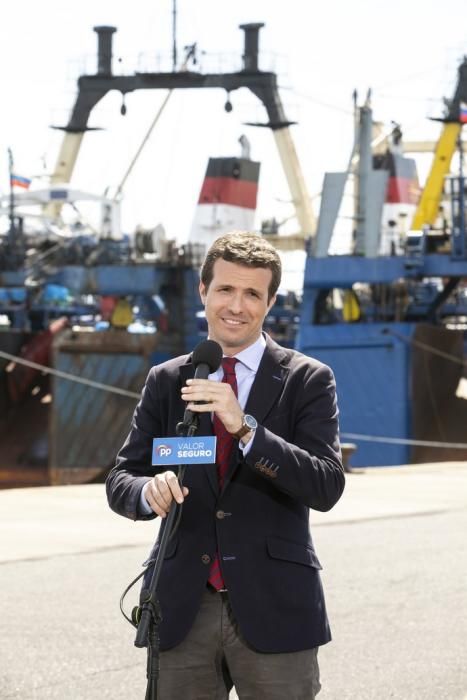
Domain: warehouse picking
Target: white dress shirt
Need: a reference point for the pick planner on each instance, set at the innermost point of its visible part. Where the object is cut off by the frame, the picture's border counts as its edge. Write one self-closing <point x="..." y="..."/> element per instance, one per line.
<point x="245" y="371"/>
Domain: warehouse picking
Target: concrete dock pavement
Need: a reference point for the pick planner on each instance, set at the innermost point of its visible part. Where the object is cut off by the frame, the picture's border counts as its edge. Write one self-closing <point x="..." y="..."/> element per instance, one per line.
<point x="37" y="523"/>
<point x="41" y="522"/>
<point x="394" y="554"/>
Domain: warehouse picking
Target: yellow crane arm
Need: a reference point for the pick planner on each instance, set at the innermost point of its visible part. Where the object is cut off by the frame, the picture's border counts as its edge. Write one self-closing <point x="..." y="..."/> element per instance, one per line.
<point x="296" y="181"/>
<point x="64" y="168"/>
<point x="428" y="206"/>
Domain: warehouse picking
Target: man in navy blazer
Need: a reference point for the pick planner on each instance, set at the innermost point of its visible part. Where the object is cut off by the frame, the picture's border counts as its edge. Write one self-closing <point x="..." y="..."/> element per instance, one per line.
<point x="261" y="630"/>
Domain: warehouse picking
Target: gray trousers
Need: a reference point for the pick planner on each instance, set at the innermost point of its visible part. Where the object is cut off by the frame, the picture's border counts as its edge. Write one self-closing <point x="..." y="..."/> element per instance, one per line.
<point x="214" y="657"/>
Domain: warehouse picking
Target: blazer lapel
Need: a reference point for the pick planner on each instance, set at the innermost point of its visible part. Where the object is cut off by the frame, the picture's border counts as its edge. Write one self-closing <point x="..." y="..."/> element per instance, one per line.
<point x="187" y="371"/>
<point x="266" y="388"/>
<point x="269" y="381"/>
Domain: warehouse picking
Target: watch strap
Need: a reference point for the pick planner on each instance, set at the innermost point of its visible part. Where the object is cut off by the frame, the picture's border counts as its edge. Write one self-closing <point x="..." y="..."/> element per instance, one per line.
<point x="243" y="430"/>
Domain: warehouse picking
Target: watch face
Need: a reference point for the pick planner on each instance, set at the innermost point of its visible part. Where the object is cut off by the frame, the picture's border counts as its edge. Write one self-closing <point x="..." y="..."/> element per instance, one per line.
<point x="250" y="422"/>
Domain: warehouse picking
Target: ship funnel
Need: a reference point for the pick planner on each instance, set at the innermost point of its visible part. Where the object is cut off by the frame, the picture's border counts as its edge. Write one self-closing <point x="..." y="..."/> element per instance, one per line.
<point x="104" y="50"/>
<point x="250" y="55"/>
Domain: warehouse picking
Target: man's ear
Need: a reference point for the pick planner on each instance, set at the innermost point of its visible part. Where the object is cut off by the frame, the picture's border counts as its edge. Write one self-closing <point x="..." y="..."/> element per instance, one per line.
<point x="202" y="293"/>
<point x="272" y="302"/>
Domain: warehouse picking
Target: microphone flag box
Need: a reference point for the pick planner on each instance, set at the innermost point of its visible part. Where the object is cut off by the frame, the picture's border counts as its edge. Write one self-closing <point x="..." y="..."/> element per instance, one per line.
<point x="184" y="450"/>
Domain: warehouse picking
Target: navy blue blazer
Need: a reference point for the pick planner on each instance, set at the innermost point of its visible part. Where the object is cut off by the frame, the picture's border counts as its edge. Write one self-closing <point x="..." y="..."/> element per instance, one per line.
<point x="260" y="519"/>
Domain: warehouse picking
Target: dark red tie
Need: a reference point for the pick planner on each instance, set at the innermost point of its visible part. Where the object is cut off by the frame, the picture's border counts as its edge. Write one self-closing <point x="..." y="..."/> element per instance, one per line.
<point x="225" y="443"/>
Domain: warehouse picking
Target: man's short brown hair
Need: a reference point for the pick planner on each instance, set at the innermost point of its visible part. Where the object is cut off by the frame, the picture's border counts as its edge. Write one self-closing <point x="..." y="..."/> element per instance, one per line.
<point x="243" y="248"/>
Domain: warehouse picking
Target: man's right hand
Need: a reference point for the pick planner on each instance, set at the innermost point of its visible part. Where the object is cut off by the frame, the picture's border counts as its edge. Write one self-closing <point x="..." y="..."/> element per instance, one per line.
<point x="161" y="490"/>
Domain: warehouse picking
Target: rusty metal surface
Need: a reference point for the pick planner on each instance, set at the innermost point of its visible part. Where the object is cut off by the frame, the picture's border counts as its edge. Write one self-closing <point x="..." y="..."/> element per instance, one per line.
<point x="437" y="413"/>
<point x="88" y="425"/>
<point x="63" y="432"/>
<point x="23" y="426"/>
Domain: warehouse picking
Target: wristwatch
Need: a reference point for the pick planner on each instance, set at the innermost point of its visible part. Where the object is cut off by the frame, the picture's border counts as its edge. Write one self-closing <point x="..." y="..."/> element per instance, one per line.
<point x="249" y="424"/>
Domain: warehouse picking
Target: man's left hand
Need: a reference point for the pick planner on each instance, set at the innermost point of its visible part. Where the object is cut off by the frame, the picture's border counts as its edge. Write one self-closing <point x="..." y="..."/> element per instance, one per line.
<point x="218" y="398"/>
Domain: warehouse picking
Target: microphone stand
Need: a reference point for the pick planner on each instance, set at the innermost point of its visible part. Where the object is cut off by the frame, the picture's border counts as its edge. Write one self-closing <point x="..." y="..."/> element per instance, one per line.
<point x="150" y="612"/>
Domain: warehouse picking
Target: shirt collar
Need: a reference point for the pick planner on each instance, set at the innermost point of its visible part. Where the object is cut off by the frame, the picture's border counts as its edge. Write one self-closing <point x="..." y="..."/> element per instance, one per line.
<point x="251" y="356"/>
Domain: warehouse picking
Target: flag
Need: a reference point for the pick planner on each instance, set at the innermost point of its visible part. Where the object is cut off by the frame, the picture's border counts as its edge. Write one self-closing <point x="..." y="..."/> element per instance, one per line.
<point x="19" y="181"/>
<point x="463" y="112"/>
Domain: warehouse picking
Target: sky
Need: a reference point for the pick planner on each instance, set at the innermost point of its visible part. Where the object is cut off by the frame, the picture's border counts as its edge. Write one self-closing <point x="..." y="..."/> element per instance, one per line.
<point x="406" y="51"/>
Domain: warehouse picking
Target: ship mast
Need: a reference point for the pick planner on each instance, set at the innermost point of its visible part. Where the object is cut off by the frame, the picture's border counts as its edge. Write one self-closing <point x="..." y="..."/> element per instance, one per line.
<point x="174" y="35"/>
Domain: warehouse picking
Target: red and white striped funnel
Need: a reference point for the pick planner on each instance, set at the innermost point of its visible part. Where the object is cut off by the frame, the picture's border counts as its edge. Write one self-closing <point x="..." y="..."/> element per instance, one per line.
<point x="227" y="200"/>
<point x="402" y="195"/>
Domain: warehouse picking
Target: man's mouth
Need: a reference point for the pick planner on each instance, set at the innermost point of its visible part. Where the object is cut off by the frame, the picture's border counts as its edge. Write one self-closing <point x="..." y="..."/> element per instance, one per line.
<point x="233" y="321"/>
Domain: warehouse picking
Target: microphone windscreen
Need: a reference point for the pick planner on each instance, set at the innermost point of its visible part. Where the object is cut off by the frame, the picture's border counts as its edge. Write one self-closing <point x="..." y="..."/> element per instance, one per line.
<point x="208" y="352"/>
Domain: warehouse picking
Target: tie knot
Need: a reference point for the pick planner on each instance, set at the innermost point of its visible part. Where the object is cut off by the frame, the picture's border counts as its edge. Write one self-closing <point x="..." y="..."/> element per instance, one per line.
<point x="228" y="365"/>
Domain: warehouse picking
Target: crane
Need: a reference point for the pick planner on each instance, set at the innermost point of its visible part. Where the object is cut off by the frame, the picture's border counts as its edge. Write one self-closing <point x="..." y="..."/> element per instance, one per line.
<point x="428" y="206"/>
<point x="92" y="88"/>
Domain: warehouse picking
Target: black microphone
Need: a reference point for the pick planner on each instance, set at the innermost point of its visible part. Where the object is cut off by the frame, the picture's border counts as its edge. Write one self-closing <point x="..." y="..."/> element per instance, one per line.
<point x="207" y="357"/>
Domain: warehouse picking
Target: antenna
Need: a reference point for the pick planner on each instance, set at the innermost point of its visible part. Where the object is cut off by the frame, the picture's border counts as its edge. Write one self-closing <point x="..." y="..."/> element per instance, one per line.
<point x="12" y="231"/>
<point x="174" y="35"/>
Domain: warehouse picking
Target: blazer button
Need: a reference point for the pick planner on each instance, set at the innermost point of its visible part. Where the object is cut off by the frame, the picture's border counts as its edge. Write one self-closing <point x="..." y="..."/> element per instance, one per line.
<point x="206" y="559"/>
<point x="220" y="514"/>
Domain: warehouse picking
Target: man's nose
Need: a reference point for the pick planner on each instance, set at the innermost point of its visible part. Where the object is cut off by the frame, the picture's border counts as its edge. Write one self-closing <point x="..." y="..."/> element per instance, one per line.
<point x="236" y="304"/>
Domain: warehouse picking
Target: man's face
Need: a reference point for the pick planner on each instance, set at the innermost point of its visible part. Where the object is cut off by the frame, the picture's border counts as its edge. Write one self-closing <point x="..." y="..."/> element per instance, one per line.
<point x="236" y="304"/>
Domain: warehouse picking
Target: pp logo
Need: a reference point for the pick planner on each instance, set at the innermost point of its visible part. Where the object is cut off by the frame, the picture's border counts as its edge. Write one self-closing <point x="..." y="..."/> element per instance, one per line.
<point x="163" y="450"/>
